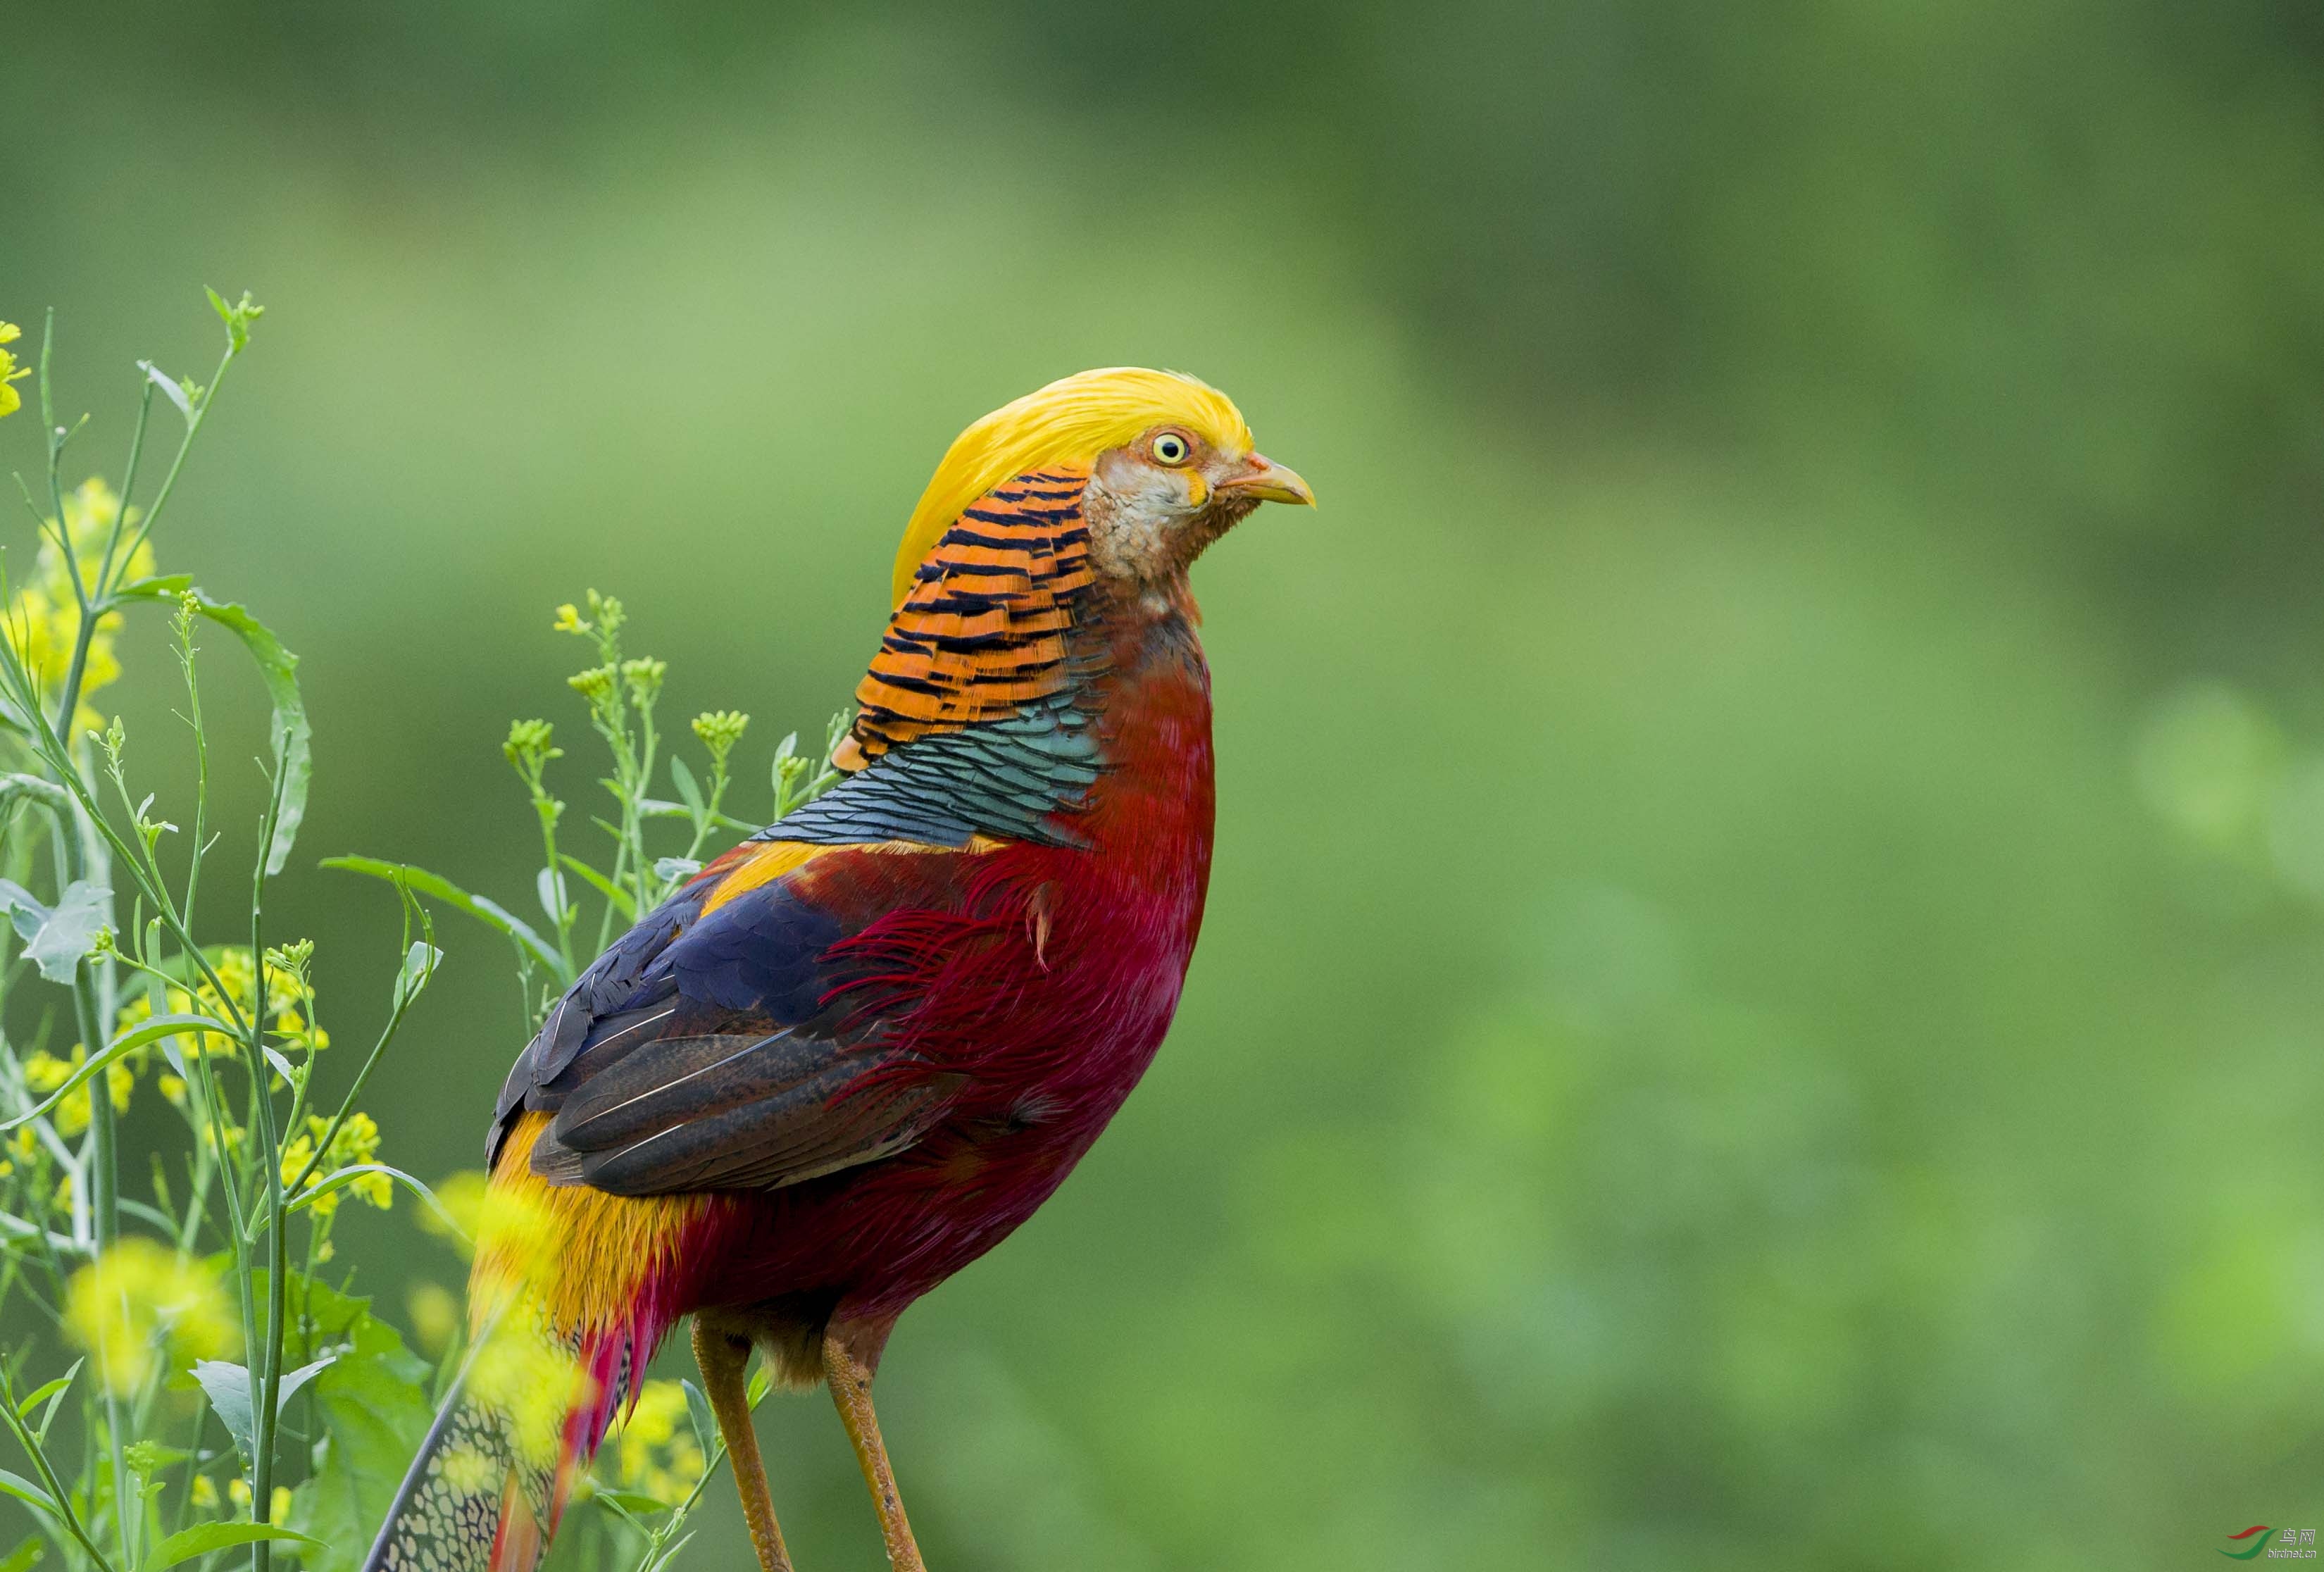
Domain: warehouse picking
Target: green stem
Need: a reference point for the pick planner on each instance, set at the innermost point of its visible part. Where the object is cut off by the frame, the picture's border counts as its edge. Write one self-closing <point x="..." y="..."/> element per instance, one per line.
<point x="104" y="1180"/>
<point x="198" y="1195"/>
<point x="54" y="438"/>
<point x="544" y="807"/>
<point x="86" y="631"/>
<point x="104" y="1177"/>
<point x="49" y="1480"/>
<point x="202" y="769"/>
<point x="264" y="1420"/>
<point x="347" y="1104"/>
<point x="51" y="750"/>
<point x="193" y="429"/>
<point x="635" y="821"/>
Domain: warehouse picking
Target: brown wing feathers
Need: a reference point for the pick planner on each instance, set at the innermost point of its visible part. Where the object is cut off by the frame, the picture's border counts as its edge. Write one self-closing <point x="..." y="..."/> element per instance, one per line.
<point x="982" y="631"/>
<point x="729" y="1110"/>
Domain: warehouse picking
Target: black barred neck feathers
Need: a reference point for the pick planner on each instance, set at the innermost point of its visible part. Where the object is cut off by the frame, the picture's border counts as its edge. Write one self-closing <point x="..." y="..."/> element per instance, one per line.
<point x="981" y="633"/>
<point x="978" y="714"/>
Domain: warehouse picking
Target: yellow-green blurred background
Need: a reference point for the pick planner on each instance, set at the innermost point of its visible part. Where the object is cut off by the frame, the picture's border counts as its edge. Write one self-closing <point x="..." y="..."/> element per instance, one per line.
<point x="1761" y="1001"/>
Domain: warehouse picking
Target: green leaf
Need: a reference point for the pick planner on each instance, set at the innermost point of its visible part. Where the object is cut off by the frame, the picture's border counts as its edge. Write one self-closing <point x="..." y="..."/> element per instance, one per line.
<point x="147" y="1031"/>
<point x="170" y="387"/>
<point x="632" y="1501"/>
<point x="551" y="891"/>
<point x="24" y="1557"/>
<point x="71" y="928"/>
<point x="620" y="897"/>
<point x="237" y="318"/>
<point x="341" y="1177"/>
<point x="48" y="1414"/>
<point x="30" y="1493"/>
<point x="291" y="736"/>
<point x="293" y="1380"/>
<point x="487" y="912"/>
<point x="706" y="1422"/>
<point x="46" y="1390"/>
<point x="372" y="1407"/>
<point x="228" y="1388"/>
<point x="420" y="964"/>
<point x="24" y="908"/>
<point x="668" y="1553"/>
<point x="683" y="778"/>
<point x="203" y="1538"/>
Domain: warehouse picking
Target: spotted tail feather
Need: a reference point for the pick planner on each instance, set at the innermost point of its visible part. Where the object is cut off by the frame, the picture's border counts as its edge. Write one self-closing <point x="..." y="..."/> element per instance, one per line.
<point x="477" y="1498"/>
<point x="571" y="1292"/>
<point x="446" y="1515"/>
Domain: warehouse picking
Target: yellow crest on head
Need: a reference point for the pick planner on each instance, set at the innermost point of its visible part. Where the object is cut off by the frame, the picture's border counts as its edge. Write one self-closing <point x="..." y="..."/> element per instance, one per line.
<point x="1068" y="422"/>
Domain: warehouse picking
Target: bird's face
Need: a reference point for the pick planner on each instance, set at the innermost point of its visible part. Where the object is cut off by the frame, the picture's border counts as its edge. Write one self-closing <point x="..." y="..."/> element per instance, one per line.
<point x="1155" y="503"/>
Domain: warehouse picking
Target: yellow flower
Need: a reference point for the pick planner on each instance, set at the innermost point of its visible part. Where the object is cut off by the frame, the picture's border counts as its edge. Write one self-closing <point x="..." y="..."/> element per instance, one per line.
<point x="10" y="399"/>
<point x="657" y="1453"/>
<point x="291" y="997"/>
<point x="720" y="730"/>
<point x="238" y="1492"/>
<point x="290" y="1001"/>
<point x="357" y="1141"/>
<point x="595" y="684"/>
<point x="297" y="1029"/>
<point x="44" y="617"/>
<point x="644" y="677"/>
<point x="45" y="1072"/>
<point x="204" y="1492"/>
<point x="568" y="620"/>
<point x="140" y="1298"/>
<point x="518" y="1239"/>
<point x="435" y="1315"/>
<point x="295" y="1157"/>
<point x="532" y="1379"/>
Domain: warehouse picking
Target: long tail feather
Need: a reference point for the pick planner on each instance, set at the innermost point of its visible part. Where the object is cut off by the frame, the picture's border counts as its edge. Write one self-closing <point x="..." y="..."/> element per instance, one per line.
<point x="446" y="1515"/>
<point x="572" y="1290"/>
<point x="488" y="1486"/>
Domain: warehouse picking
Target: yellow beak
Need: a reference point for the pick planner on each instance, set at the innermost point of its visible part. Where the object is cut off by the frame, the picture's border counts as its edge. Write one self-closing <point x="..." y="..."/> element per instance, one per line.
<point x="1268" y="481"/>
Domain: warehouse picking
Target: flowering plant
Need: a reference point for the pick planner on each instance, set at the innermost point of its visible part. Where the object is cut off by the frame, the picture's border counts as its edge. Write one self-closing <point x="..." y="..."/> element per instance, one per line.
<point x="194" y="1301"/>
<point x="226" y="1400"/>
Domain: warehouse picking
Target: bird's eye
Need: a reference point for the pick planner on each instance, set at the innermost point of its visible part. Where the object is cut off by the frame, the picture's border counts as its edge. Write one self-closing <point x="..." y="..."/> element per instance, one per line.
<point x="1170" y="448"/>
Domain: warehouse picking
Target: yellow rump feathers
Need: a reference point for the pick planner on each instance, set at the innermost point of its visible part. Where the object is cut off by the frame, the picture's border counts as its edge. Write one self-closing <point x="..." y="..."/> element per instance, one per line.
<point x="1068" y="422"/>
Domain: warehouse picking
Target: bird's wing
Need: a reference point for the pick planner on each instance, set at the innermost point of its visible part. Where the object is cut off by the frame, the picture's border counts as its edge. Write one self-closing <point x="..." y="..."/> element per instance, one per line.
<point x="704" y="1048"/>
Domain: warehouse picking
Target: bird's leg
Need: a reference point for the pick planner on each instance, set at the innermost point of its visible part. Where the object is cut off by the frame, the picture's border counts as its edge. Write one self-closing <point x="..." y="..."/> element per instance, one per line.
<point x="723" y="1357"/>
<point x="851" y="1353"/>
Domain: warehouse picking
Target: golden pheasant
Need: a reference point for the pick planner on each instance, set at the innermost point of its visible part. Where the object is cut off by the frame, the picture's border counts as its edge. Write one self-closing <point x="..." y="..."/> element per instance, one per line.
<point x="858" y="1049"/>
